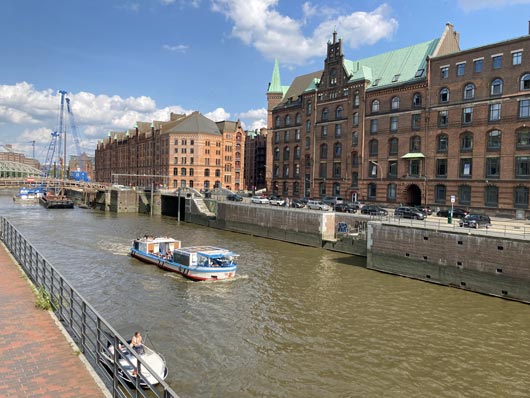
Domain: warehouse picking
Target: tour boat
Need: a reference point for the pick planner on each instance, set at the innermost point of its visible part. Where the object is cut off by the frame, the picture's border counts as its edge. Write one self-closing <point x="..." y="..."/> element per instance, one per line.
<point x="199" y="263"/>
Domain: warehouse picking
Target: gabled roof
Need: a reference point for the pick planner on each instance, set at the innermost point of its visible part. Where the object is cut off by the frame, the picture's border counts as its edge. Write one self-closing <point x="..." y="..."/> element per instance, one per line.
<point x="194" y="123"/>
<point x="301" y="84"/>
<point x="393" y="67"/>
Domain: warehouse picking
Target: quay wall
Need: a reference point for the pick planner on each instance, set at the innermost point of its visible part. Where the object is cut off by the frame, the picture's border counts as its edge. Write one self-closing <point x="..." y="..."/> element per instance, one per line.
<point x="496" y="266"/>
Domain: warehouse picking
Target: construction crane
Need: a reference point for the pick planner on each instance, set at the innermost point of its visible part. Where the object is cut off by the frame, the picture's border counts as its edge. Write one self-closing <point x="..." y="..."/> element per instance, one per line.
<point x="76" y="136"/>
<point x="56" y="140"/>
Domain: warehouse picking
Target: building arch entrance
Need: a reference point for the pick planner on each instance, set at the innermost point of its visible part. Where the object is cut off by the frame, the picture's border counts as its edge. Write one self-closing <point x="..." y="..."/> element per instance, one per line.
<point x="413" y="195"/>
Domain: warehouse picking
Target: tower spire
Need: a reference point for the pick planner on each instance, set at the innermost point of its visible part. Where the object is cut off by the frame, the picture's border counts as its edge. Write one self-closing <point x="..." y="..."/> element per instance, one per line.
<point x="275" y="86"/>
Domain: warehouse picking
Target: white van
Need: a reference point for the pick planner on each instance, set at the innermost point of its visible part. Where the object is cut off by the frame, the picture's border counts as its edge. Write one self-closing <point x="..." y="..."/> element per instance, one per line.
<point x="317" y="205"/>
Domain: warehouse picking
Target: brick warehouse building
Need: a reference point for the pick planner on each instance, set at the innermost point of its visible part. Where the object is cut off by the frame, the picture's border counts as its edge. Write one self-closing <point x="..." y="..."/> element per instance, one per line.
<point x="186" y="151"/>
<point x="415" y="125"/>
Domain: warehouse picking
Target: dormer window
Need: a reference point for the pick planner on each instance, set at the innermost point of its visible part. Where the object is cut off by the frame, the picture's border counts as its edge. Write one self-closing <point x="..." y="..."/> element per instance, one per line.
<point x="419" y="72"/>
<point x="376" y="82"/>
<point x="395" y="78"/>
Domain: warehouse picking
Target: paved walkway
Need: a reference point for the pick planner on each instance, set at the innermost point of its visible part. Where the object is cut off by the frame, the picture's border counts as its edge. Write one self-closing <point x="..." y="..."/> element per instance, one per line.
<point x="36" y="360"/>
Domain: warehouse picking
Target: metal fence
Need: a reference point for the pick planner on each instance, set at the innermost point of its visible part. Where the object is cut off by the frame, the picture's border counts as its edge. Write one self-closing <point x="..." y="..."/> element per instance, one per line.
<point x="108" y="353"/>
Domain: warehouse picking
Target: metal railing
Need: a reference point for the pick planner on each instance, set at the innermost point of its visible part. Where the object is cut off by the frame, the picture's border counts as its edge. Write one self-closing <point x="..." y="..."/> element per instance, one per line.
<point x="108" y="353"/>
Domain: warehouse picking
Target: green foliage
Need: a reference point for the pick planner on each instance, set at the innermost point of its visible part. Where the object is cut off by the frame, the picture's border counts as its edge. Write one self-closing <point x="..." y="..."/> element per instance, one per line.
<point x="43" y="299"/>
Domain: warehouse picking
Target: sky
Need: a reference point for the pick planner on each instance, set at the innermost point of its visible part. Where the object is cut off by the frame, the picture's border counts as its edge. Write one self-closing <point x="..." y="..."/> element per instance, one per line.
<point x="122" y="61"/>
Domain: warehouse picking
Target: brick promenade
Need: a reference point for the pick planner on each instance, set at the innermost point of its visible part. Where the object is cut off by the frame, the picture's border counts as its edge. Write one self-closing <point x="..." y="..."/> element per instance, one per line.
<point x="36" y="360"/>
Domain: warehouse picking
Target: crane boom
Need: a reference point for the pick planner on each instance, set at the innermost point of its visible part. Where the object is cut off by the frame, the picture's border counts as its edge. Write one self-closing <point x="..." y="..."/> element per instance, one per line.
<point x="76" y="136"/>
<point x="55" y="136"/>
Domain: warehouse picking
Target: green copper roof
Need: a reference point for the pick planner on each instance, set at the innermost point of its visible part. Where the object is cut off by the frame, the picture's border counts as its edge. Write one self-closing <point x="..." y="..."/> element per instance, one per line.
<point x="275" y="85"/>
<point x="393" y="67"/>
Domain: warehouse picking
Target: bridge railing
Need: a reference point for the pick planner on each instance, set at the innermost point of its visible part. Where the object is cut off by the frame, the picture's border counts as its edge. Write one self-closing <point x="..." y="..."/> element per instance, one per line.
<point x="102" y="346"/>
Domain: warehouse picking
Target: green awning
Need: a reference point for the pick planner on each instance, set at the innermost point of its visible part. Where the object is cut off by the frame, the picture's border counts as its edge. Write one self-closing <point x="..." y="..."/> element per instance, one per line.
<point x="413" y="155"/>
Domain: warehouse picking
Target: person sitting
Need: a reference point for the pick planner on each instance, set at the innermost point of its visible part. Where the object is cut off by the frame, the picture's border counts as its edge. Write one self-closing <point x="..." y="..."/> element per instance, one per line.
<point x="136" y="343"/>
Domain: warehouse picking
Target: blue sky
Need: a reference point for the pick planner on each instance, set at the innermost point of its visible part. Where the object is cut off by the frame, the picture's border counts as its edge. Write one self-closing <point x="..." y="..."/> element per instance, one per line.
<point x="124" y="60"/>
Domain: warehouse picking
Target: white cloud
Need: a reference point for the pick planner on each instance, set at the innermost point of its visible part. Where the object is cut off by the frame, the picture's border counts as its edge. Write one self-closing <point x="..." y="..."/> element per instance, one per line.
<point x="180" y="48"/>
<point x="218" y="115"/>
<point x="474" y="5"/>
<point x="258" y="23"/>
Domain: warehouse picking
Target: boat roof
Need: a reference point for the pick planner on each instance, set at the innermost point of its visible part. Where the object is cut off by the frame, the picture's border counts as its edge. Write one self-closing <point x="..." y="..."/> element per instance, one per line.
<point x="207" y="251"/>
<point x="157" y="239"/>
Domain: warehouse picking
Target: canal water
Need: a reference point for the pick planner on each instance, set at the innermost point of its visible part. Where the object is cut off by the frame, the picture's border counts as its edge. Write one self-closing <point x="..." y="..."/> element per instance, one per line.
<point x="297" y="322"/>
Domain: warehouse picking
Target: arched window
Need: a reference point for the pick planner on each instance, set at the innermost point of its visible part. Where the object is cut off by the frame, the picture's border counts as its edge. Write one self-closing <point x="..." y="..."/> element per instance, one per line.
<point x="416" y="100"/>
<point x="466" y="142"/>
<point x="337" y="150"/>
<point x="355" y="138"/>
<point x="393" y="146"/>
<point x="277" y="122"/>
<point x="276" y="153"/>
<point x="207" y="172"/>
<point x="218" y="172"/>
<point x="338" y="112"/>
<point x="287" y="120"/>
<point x="355" y="119"/>
<point x="325" y="115"/>
<point x="356" y="98"/>
<point x="298" y="119"/>
<point x="442" y="143"/>
<point x="496" y="87"/>
<point x="307" y="143"/>
<point x="375" y="106"/>
<point x="415" y="143"/>
<point x="183" y="171"/>
<point x="286" y="153"/>
<point x="297" y="152"/>
<point x="469" y="91"/>
<point x="395" y="103"/>
<point x="308" y="107"/>
<point x="494" y="140"/>
<point x="373" y="147"/>
<point x="525" y="82"/>
<point x="323" y="151"/>
<point x="444" y="95"/>
<point x="308" y="126"/>
<point x="191" y="172"/>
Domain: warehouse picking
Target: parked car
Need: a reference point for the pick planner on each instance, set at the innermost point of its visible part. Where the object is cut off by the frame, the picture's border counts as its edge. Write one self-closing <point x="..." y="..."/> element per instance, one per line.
<point x="298" y="203"/>
<point x="346" y="207"/>
<point x="457" y="213"/>
<point x="373" y="210"/>
<point x="276" y="201"/>
<point x="332" y="200"/>
<point x="425" y="209"/>
<point x="475" y="221"/>
<point x="409" y="212"/>
<point x="235" y="197"/>
<point x="358" y="205"/>
<point x="317" y="205"/>
<point x="259" y="200"/>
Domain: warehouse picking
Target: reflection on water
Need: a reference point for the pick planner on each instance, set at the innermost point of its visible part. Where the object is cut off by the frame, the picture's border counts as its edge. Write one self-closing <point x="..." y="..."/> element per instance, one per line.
<point x="296" y="322"/>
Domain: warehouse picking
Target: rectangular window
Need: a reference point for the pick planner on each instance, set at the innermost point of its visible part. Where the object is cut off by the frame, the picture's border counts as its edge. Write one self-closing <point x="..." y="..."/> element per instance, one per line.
<point x="444" y="72"/>
<point x="372" y="170"/>
<point x="464" y="194"/>
<point x="493" y="167"/>
<point x="517" y="57"/>
<point x="439" y="193"/>
<point x="394" y="123"/>
<point x="524" y="109"/>
<point x="495" y="112"/>
<point x="460" y="69"/>
<point x="374" y="125"/>
<point x="355" y="179"/>
<point x="465" y="168"/>
<point x="416" y="122"/>
<point x="391" y="192"/>
<point x="338" y="130"/>
<point x="467" y="115"/>
<point x="336" y="169"/>
<point x="478" y="65"/>
<point x="414" y="167"/>
<point x="324" y="131"/>
<point x="522" y="167"/>
<point x="322" y="170"/>
<point x="496" y="61"/>
<point x="392" y="168"/>
<point x="443" y="118"/>
<point x="441" y="167"/>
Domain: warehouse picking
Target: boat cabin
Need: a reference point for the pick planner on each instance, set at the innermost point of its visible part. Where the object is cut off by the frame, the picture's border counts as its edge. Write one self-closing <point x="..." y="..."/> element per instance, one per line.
<point x="157" y="246"/>
<point x="204" y="256"/>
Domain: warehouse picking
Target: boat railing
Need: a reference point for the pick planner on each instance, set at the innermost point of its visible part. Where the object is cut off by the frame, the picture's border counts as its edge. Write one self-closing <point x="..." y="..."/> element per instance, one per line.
<point x="96" y="339"/>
